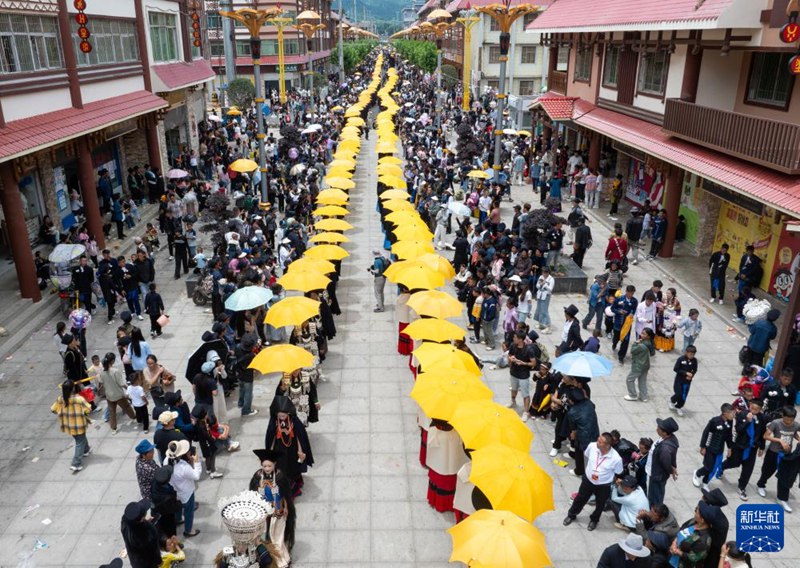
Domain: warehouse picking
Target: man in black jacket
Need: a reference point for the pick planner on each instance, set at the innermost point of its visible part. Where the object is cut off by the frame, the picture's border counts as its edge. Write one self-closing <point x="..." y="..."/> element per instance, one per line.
<point x="572" y="325"/>
<point x="717" y="268"/>
<point x="664" y="461"/>
<point x="82" y="279"/>
<point x="583" y="240"/>
<point x="748" y="441"/>
<point x="716" y="436"/>
<point x="633" y="228"/>
<point x="140" y="536"/>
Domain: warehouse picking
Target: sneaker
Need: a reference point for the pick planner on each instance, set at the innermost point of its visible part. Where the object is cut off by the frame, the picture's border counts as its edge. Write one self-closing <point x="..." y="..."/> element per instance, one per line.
<point x="546" y="330"/>
<point x="553" y="452"/>
<point x="114" y="431"/>
<point x="672" y="406"/>
<point x="712" y="300"/>
<point x="696" y="481"/>
<point x="139" y="317"/>
<point x="75" y="468"/>
<point x="146" y="431"/>
<point x="706" y="487"/>
<point x="251" y="413"/>
<point x="87" y="452"/>
<point x="511" y="404"/>
<point x="742" y="494"/>
<point x="572" y="473"/>
<point x="785" y="505"/>
<point x="621" y="527"/>
<point x="644" y="400"/>
<point x="679" y="411"/>
<point x="630" y="398"/>
<point x="111" y="321"/>
<point x="171" y="258"/>
<point x="525" y="416"/>
<point x="490" y="349"/>
<point x="214" y="475"/>
<point x="762" y="492"/>
<point x="233" y="446"/>
<point x="634" y="262"/>
<point x="720" y="301"/>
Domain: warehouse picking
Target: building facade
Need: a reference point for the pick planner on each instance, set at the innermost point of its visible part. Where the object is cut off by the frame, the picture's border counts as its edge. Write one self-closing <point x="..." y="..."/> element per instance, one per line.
<point x="67" y="113"/>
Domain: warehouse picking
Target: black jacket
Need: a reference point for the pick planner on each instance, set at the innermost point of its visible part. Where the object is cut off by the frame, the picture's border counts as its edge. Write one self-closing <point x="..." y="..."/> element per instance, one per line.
<point x="716" y="435"/>
<point x="582" y="418"/>
<point x="718" y="264"/>
<point x="142" y="543"/>
<point x="685" y="365"/>
<point x="633" y="228"/>
<point x="574" y="341"/>
<point x="583" y="237"/>
<point x="740" y="437"/>
<point x="665" y="455"/>
<point x="82" y="277"/>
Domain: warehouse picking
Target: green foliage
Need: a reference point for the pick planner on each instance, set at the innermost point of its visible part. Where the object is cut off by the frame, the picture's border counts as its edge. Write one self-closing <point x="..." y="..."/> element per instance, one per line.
<point x="449" y="76"/>
<point x="419" y="53"/>
<point x="385" y="28"/>
<point x="356" y="51"/>
<point x="241" y="93"/>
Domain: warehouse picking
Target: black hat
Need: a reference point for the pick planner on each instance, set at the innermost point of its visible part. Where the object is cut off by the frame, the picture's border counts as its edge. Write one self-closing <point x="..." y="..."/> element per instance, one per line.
<point x="773" y="314"/>
<point x="667" y="424"/>
<point x="660" y="540"/>
<point x="710" y="513"/>
<point x="576" y="395"/>
<point x="172" y="398"/>
<point x="163" y="474"/>
<point x="199" y="412"/>
<point x="572" y="310"/>
<point x="116" y="563"/>
<point x="282" y="404"/>
<point x="629" y="481"/>
<point x="208" y="336"/>
<point x="136" y="510"/>
<point x="66" y="339"/>
<point x="218" y="327"/>
<point x="267" y="455"/>
<point x="715" y="497"/>
<point x="126" y="316"/>
<point x="533" y="335"/>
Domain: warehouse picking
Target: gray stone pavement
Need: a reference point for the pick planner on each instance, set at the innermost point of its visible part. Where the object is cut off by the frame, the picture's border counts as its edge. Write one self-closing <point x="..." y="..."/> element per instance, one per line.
<point x="364" y="502"/>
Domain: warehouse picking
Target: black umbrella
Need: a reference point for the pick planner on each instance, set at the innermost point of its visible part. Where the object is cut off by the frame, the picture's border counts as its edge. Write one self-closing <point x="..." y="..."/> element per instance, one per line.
<point x="200" y="356"/>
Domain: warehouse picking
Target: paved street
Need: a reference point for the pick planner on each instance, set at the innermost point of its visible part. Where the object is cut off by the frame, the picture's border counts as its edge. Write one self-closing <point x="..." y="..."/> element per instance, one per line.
<point x="364" y="499"/>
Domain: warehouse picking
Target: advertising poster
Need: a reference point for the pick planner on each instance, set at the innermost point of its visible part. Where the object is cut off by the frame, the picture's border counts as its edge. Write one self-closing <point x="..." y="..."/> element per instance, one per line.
<point x="645" y="181"/>
<point x="787" y="262"/>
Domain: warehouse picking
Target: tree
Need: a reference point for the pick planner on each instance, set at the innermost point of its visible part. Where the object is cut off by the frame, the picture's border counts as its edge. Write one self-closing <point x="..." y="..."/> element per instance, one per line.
<point x="215" y="219"/>
<point x="241" y="93"/>
<point x="354" y="52"/>
<point x="290" y="138"/>
<point x="419" y="53"/>
<point x="467" y="146"/>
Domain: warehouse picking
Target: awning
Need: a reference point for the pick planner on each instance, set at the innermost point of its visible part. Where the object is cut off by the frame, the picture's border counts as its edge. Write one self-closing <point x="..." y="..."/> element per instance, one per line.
<point x="174" y="76"/>
<point x="647" y="15"/>
<point x="763" y="184"/>
<point x="20" y="137"/>
<point x="557" y="108"/>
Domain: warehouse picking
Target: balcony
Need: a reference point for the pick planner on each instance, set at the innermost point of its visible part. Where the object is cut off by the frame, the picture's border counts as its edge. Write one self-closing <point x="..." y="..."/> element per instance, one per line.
<point x="770" y="143"/>
<point x="557" y="82"/>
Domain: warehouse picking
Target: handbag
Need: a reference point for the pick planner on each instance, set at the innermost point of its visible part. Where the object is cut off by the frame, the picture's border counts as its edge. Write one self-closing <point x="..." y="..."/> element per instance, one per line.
<point x="744" y="355"/>
<point x="163" y="320"/>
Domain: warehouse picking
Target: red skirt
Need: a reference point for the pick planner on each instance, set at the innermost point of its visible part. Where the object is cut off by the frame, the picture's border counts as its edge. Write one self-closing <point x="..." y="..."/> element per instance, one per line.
<point x="404" y="342"/>
<point x="459" y="515"/>
<point x="423" y="446"/>
<point x="441" y="491"/>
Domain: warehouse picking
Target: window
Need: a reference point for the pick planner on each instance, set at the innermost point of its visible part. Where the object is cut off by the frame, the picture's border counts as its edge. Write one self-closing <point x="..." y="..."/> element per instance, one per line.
<point x="583" y="64"/>
<point x="493" y="25"/>
<point x="770" y="82"/>
<point x="243" y="47"/>
<point x="494" y="54"/>
<point x="653" y="69"/>
<point x="493" y="84"/>
<point x="217" y="49"/>
<point x="610" y="65"/>
<point x="164" y="36"/>
<point x="113" y="41"/>
<point x="528" y="54"/>
<point x="528" y="18"/>
<point x="270" y="47"/>
<point x="29" y="43"/>
<point x="562" y="59"/>
<point x="527" y="87"/>
<point x="213" y="21"/>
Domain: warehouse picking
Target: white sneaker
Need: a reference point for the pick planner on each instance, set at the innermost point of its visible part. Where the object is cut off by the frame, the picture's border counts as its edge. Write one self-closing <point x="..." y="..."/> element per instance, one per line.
<point x="525" y="416"/>
<point x="742" y="494"/>
<point x="139" y="317"/>
<point x="720" y="301"/>
<point x="705" y="487"/>
<point x="696" y="481"/>
<point x="214" y="475"/>
<point x="553" y="452"/>
<point x="712" y="300"/>
<point x="630" y="398"/>
<point x="679" y="411"/>
<point x="114" y="431"/>
<point x="233" y="446"/>
<point x="77" y="468"/>
<point x="672" y="405"/>
<point x="761" y="491"/>
<point x="171" y="258"/>
<point x="511" y="404"/>
<point x="785" y="505"/>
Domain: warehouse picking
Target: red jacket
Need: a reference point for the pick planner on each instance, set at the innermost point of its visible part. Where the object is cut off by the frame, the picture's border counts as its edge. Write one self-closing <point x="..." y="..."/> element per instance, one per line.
<point x="617" y="249"/>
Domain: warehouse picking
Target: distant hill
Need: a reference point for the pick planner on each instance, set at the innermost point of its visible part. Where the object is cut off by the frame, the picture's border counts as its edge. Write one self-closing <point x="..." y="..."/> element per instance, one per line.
<point x="376" y="9"/>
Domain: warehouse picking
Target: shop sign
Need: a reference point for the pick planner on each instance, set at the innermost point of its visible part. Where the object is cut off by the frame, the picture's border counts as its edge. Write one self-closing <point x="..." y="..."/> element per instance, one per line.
<point x="787" y="262"/>
<point x="733" y="197"/>
<point x="794" y="65"/>
<point x="790" y="33"/>
<point x="290" y="68"/>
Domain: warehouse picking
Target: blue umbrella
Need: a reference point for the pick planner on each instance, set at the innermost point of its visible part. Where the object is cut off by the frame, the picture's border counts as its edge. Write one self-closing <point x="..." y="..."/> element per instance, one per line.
<point x="503" y="178"/>
<point x="248" y="298"/>
<point x="583" y="364"/>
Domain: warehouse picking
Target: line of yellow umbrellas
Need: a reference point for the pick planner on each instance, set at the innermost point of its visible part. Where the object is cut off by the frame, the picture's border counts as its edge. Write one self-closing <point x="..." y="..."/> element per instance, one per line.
<point x="450" y="388"/>
<point x="310" y="272"/>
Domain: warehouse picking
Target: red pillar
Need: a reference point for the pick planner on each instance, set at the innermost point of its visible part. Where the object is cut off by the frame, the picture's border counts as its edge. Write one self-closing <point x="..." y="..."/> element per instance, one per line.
<point x="88" y="179"/>
<point x="786" y="326"/>
<point x="594" y="150"/>
<point x="672" y="203"/>
<point x="21" y="248"/>
<point x="153" y="147"/>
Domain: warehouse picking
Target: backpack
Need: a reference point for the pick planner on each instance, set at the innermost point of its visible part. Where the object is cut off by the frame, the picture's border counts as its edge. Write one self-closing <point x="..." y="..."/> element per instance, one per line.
<point x="385" y="263"/>
<point x="544" y="356"/>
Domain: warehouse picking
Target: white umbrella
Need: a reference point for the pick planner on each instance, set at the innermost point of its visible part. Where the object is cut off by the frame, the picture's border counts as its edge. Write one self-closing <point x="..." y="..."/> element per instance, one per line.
<point x="297" y="169"/>
<point x="409" y="104"/>
<point x="308" y="131"/>
<point x="175" y="173"/>
<point x="315" y="127"/>
<point x="248" y="298"/>
<point x="510" y="131"/>
<point x="65" y="253"/>
<point x="409" y="119"/>
<point x="459" y="208"/>
<point x="214" y="118"/>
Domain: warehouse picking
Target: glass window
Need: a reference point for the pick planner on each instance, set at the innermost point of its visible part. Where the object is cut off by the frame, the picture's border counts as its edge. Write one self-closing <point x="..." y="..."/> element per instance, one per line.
<point x="113" y="41"/>
<point x="29" y="43"/>
<point x="583" y="64"/>
<point x="653" y="69"/>
<point x="217" y="49"/>
<point x="610" y="67"/>
<point x="213" y="20"/>
<point x="164" y="36"/>
<point x="770" y="82"/>
<point x="528" y="54"/>
<point x="493" y="25"/>
<point x="528" y="18"/>
<point x="527" y="87"/>
<point x="494" y="54"/>
<point x="243" y="47"/>
<point x="562" y="59"/>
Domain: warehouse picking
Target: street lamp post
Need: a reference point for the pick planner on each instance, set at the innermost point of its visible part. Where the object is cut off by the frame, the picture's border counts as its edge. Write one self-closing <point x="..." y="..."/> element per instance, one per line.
<point x="308" y="22"/>
<point x="253" y="20"/>
<point x="468" y="20"/>
<point x="505" y="15"/>
<point x="438" y="22"/>
<point x="281" y="23"/>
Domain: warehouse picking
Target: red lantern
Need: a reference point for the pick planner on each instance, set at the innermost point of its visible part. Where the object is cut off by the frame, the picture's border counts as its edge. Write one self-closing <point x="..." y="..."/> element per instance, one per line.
<point x="790" y="33"/>
<point x="80" y="5"/>
<point x="197" y="43"/>
<point x="195" y="17"/>
<point x="82" y="19"/>
<point x="84" y="33"/>
<point x="794" y="65"/>
<point x="196" y="25"/>
<point x="86" y="47"/>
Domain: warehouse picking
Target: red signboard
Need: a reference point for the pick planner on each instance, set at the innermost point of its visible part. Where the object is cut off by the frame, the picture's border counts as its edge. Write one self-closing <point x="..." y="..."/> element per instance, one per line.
<point x="794" y="65"/>
<point x="790" y="33"/>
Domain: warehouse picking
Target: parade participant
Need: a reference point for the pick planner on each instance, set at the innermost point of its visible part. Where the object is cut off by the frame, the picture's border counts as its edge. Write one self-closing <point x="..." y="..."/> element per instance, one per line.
<point x="271" y="483"/>
<point x="301" y="389"/>
<point x="715" y="438"/>
<point x="748" y="441"/>
<point x="445" y="456"/>
<point x="717" y="270"/>
<point x="287" y="436"/>
<point x="781" y="433"/>
<point x="623" y="309"/>
<point x="685" y="369"/>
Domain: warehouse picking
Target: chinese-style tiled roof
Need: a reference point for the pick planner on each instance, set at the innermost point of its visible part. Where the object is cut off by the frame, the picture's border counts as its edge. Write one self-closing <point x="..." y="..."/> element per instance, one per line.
<point x="556" y="107"/>
<point x="457" y="5"/>
<point x="20" y="137"/>
<point x="183" y="74"/>
<point x="643" y="15"/>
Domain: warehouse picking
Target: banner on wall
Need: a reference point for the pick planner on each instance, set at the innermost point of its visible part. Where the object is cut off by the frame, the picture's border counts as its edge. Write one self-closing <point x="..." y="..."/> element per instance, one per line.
<point x="646" y="180"/>
<point x="787" y="262"/>
<point x="739" y="227"/>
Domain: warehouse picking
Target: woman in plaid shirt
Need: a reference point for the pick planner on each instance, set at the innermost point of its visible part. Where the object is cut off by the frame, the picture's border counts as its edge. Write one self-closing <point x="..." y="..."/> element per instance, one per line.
<point x="73" y="412"/>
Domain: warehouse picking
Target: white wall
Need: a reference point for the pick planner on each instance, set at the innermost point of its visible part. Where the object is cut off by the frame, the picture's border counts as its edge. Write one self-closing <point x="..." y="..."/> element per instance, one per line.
<point x="16" y="107"/>
<point x="719" y="79"/>
<point x="114" y="88"/>
<point x="677" y="61"/>
<point x="608" y="94"/>
<point x="116" y="8"/>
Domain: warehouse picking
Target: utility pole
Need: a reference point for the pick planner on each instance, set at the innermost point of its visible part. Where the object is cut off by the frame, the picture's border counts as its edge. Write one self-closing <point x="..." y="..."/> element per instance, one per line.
<point x="341" y="43"/>
<point x="228" y="44"/>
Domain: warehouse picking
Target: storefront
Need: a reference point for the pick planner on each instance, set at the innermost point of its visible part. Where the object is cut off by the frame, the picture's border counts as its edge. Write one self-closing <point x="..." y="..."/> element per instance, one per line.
<point x="176" y="132"/>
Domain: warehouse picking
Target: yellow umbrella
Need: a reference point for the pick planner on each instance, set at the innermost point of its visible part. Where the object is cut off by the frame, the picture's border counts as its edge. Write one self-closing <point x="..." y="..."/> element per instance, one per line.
<point x="306" y="264"/>
<point x="395" y="205"/>
<point x="354" y="110"/>
<point x="327" y="252"/>
<point x="331" y="211"/>
<point x="389" y="169"/>
<point x="404" y="216"/>
<point x="332" y="200"/>
<point x="480" y="423"/>
<point x="403" y="265"/>
<point x="524" y="133"/>
<point x="233" y="111"/>
<point x="329" y="238"/>
<point x="438" y="263"/>
<point x="390" y="160"/>
<point x="414" y="276"/>
<point x="413" y="232"/>
<point x="430" y="329"/>
<point x="243" y="165"/>
<point x="478" y="174"/>
<point x="434" y="356"/>
<point x="281" y="359"/>
<point x="339" y="171"/>
<point x="293" y="310"/>
<point x="305" y="281"/>
<point x="394" y="194"/>
<point x="332" y="225"/>
<point x="435" y="303"/>
<point x="340" y="182"/>
<point x="393" y="181"/>
<point x="411" y="249"/>
<point x="348" y="142"/>
<point x="512" y="481"/>
<point x="333" y="192"/>
<point x="386" y="148"/>
<point x="355" y="121"/>
<point x="499" y="539"/>
<point x="439" y="391"/>
<point x="337" y="108"/>
<point x="349" y="164"/>
<point x="345" y="154"/>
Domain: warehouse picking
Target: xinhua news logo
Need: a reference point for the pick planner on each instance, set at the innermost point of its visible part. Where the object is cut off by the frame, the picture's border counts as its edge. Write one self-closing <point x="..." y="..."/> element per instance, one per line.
<point x="759" y="528"/>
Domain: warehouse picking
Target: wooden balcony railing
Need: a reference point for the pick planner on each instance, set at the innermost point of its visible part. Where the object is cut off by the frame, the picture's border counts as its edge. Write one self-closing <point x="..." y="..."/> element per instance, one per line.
<point x="771" y="143"/>
<point x="557" y="82"/>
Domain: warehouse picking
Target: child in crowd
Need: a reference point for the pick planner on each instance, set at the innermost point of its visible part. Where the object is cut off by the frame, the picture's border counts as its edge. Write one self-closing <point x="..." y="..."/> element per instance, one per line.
<point x="592" y="344"/>
<point x="138" y="399"/>
<point x="171" y="551"/>
<point x="717" y="436"/>
<point x="685" y="369"/>
<point x="742" y="402"/>
<point x="691" y="326"/>
<point x="200" y="261"/>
